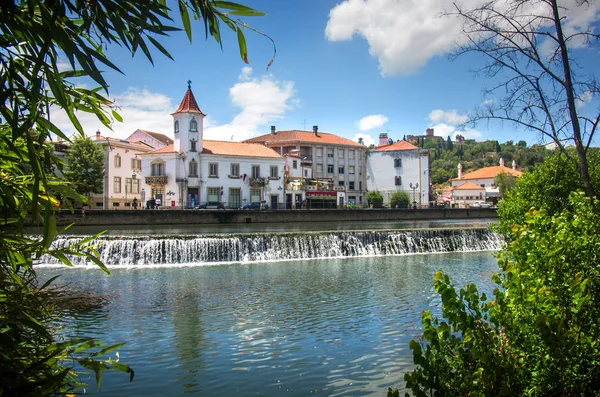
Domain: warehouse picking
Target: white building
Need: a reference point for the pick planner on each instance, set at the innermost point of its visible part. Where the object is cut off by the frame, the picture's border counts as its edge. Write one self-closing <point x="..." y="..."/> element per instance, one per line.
<point x="400" y="166"/>
<point x="191" y="170"/>
<point x="484" y="177"/>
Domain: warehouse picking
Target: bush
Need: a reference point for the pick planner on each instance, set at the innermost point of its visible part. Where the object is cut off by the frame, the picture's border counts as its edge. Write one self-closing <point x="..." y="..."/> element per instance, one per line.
<point x="539" y="336"/>
<point x="375" y="199"/>
<point x="399" y="200"/>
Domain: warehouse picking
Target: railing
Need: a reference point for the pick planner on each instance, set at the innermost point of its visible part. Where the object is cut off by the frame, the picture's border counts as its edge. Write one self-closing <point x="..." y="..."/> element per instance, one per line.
<point x="259" y="182"/>
<point x="157" y="180"/>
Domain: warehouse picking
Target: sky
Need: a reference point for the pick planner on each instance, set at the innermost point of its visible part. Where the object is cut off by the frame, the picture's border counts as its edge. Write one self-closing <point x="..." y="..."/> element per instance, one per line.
<point x="354" y="68"/>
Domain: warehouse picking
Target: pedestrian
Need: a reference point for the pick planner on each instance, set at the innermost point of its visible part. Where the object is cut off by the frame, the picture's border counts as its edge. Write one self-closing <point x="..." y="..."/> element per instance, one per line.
<point x="135" y="203"/>
<point x="157" y="203"/>
<point x="153" y="203"/>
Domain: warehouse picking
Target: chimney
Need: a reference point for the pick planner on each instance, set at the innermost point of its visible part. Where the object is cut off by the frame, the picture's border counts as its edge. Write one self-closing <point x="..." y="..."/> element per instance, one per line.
<point x="514" y="165"/>
<point x="383" y="139"/>
<point x="429" y="132"/>
<point x="501" y="162"/>
<point x="98" y="135"/>
<point x="459" y="171"/>
<point x="273" y="130"/>
<point x="316" y="130"/>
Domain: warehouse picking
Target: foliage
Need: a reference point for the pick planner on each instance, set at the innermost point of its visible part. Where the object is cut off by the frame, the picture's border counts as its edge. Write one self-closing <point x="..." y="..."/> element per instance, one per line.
<point x="37" y="37"/>
<point x="547" y="187"/>
<point x="85" y="166"/>
<point x="504" y="182"/>
<point x="375" y="199"/>
<point x="399" y="200"/>
<point x="539" y="335"/>
<point x="531" y="52"/>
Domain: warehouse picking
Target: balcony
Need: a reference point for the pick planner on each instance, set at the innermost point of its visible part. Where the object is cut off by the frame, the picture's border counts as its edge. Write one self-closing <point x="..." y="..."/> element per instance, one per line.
<point x="259" y="182"/>
<point x="157" y="180"/>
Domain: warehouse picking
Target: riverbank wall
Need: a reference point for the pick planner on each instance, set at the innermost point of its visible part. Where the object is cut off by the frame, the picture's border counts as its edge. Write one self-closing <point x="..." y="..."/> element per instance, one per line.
<point x="187" y="217"/>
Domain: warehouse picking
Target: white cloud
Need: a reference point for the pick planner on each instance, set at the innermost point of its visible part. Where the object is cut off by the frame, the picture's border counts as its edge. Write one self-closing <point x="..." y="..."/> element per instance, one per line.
<point x="372" y="121"/>
<point x="404" y="35"/>
<point x="450" y="117"/>
<point x="140" y="109"/>
<point x="367" y="139"/>
<point x="584" y="98"/>
<point x="261" y="101"/>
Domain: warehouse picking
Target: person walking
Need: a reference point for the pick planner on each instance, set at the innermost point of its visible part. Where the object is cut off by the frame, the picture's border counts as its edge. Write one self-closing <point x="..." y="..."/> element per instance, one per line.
<point x="158" y="203"/>
<point x="135" y="203"/>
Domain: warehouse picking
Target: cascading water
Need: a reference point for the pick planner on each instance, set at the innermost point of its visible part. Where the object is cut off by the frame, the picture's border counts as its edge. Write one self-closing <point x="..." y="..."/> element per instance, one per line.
<point x="159" y="250"/>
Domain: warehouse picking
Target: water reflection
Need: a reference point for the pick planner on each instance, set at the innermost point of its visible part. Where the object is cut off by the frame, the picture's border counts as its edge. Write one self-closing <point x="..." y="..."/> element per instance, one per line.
<point x="330" y="327"/>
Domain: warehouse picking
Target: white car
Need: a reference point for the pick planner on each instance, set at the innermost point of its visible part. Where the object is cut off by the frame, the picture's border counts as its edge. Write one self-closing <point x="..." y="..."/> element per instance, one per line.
<point x="481" y="204"/>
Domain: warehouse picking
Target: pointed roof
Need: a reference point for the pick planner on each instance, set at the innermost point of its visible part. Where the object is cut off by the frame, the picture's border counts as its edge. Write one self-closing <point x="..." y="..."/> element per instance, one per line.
<point x="468" y="186"/>
<point x="188" y="103"/>
<point x="297" y="136"/>
<point x="489" y="172"/>
<point x="398" y="145"/>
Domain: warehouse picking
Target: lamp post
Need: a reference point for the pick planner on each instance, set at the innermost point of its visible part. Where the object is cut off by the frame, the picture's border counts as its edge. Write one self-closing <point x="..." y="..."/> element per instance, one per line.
<point x="415" y="187"/>
<point x="302" y="179"/>
<point x="133" y="178"/>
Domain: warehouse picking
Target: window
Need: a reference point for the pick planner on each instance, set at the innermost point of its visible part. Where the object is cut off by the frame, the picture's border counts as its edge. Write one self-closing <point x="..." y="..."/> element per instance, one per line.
<point x="340" y="153"/>
<point x="319" y="169"/>
<point x="350" y="154"/>
<point x="192" y="145"/>
<point x="128" y="185"/>
<point x="213" y="170"/>
<point x="136" y="164"/>
<point x="397" y="180"/>
<point x="255" y="195"/>
<point x="256" y="171"/>
<point x="158" y="169"/>
<point x="234" y="171"/>
<point x="117" y="161"/>
<point x="176" y="127"/>
<point x="193" y="168"/>
<point x="274" y="172"/>
<point x="117" y="184"/>
<point x="193" y="125"/>
<point x="351" y="185"/>
<point x="397" y="162"/>
<point x="359" y="185"/>
<point x="330" y="152"/>
<point x="136" y="186"/>
<point x="341" y="169"/>
<point x="213" y="193"/>
<point x="295" y="164"/>
<point x="330" y="168"/>
<point x="351" y="169"/>
<point x="341" y="183"/>
<point x="158" y="193"/>
<point x="305" y="173"/>
<point x="319" y="152"/>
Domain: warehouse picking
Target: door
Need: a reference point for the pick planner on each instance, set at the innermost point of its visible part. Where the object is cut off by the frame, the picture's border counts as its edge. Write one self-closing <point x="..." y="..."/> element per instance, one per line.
<point x="235" y="198"/>
<point x="274" y="202"/>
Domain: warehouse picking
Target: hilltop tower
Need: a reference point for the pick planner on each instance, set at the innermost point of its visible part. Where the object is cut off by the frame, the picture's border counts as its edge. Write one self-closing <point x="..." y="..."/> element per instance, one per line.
<point x="188" y="124"/>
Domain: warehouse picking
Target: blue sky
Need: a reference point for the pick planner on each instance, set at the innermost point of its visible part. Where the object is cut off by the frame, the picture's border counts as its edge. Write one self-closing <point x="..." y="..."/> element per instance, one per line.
<point x="352" y="67"/>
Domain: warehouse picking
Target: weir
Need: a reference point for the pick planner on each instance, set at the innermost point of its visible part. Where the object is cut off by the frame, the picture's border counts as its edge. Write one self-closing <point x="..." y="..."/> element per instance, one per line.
<point x="247" y="248"/>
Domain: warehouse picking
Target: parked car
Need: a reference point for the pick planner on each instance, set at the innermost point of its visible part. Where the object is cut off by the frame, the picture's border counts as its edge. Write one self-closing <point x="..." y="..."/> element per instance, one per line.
<point x="255" y="206"/>
<point x="481" y="204"/>
<point x="212" y="205"/>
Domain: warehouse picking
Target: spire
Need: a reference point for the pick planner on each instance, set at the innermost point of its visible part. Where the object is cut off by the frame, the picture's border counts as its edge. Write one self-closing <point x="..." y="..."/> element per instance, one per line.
<point x="189" y="104"/>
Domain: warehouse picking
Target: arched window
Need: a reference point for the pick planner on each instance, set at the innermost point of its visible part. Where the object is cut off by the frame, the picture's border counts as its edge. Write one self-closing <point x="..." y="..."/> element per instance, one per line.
<point x="193" y="145"/>
<point x="193" y="168"/>
<point x="193" y="125"/>
<point x="176" y="126"/>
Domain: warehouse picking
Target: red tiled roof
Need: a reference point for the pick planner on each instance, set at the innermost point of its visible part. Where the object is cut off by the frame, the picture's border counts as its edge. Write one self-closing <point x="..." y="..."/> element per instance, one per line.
<point x="296" y="136"/>
<point x="468" y="186"/>
<point x="160" y="137"/>
<point x="399" y="145"/>
<point x="189" y="104"/>
<point x="489" y="172"/>
<point x="227" y="148"/>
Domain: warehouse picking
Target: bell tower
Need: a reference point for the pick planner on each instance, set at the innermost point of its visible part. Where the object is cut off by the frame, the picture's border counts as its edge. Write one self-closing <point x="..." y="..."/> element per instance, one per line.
<point x="188" y="124"/>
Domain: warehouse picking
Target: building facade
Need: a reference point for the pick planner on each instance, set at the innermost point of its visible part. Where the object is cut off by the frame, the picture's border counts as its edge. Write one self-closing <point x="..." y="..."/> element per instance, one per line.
<point x="485" y="178"/>
<point x="400" y="166"/>
<point x="337" y="166"/>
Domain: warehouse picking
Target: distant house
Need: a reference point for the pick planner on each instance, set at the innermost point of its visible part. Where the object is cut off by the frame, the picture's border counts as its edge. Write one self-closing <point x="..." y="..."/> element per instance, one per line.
<point x="400" y="166"/>
<point x="484" y="177"/>
<point x="467" y="193"/>
<point x="154" y="139"/>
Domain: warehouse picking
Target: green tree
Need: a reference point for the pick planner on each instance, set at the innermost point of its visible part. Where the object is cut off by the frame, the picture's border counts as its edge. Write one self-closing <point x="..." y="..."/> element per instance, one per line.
<point x="539" y="335"/>
<point x="35" y="34"/>
<point x="531" y="49"/>
<point x="85" y="166"/>
<point x="449" y="143"/>
<point x="399" y="200"/>
<point x="375" y="199"/>
<point x="504" y="182"/>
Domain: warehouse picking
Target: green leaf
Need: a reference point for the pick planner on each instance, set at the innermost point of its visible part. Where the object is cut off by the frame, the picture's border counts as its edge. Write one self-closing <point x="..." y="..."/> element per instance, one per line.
<point x="242" y="45"/>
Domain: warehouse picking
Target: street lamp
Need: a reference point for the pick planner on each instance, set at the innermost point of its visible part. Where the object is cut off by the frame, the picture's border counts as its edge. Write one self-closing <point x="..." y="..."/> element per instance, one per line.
<point x="415" y="187"/>
<point x="133" y="178"/>
<point x="302" y="178"/>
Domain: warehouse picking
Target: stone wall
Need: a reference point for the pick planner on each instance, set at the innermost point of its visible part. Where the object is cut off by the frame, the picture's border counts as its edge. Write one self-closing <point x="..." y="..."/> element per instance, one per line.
<point x="183" y="217"/>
